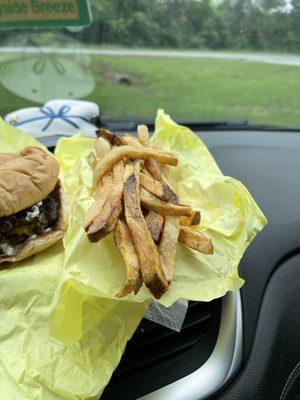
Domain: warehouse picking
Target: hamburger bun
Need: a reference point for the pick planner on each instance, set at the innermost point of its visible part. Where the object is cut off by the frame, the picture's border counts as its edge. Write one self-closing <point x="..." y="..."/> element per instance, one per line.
<point x="26" y="178"/>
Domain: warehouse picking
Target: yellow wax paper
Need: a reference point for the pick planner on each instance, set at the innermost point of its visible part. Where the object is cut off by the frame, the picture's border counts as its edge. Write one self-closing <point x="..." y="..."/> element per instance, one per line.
<point x="33" y="364"/>
<point x="230" y="217"/>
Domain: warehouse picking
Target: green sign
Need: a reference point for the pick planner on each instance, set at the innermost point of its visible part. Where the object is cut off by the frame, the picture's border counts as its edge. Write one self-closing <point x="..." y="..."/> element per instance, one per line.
<point x="44" y="13"/>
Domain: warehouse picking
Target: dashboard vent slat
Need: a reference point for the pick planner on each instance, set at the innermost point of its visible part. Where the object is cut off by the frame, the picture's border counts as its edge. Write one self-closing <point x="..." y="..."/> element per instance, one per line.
<point x="153" y="343"/>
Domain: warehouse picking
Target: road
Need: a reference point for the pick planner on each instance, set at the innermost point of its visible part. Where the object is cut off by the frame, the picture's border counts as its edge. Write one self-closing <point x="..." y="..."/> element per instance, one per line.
<point x="249" y="57"/>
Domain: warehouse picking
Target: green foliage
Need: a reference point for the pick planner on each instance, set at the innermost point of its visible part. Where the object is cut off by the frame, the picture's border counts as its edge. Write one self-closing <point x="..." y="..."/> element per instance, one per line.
<point x="226" y="24"/>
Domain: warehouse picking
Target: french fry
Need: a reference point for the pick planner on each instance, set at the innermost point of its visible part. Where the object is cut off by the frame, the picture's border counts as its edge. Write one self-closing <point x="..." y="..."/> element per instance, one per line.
<point x="165" y="173"/>
<point x="168" y="246"/>
<point x="101" y="147"/>
<point x="158" y="172"/>
<point x="131" y="140"/>
<point x="154" y="169"/>
<point x="106" y="219"/>
<point x="155" y="224"/>
<point x="151" y="202"/>
<point x="195" y="240"/>
<point x="143" y="135"/>
<point x="124" y="243"/>
<point x="146" y="172"/>
<point x="101" y="195"/>
<point x="92" y="159"/>
<point x="192" y="220"/>
<point x="131" y="152"/>
<point x="102" y="227"/>
<point x="151" y="268"/>
<point x="157" y="188"/>
<point x="113" y="139"/>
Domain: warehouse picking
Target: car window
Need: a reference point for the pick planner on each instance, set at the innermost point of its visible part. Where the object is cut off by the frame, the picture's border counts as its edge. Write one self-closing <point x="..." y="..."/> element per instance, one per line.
<point x="197" y="59"/>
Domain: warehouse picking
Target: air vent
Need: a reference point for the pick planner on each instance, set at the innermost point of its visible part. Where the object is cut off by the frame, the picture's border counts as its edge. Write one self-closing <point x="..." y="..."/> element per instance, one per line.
<point x="152" y="343"/>
<point x="165" y="355"/>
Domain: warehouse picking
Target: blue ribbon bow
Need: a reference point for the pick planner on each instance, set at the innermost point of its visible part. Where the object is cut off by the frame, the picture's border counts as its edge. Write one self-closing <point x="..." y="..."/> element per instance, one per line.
<point x="50" y="114"/>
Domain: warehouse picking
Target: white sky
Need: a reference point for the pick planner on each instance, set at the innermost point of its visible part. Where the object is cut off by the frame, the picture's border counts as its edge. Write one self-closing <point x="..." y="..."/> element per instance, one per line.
<point x="288" y="5"/>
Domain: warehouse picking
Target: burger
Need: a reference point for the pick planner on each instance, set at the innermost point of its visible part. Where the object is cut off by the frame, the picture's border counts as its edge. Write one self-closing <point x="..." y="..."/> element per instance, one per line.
<point x="32" y="205"/>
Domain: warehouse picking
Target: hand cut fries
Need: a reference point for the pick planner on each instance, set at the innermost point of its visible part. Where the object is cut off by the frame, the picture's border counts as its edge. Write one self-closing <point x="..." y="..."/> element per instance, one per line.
<point x="101" y="195"/>
<point x="192" y="220"/>
<point x="131" y="140"/>
<point x="102" y="147"/>
<point x="153" y="167"/>
<point x="168" y="246"/>
<point x="110" y="137"/>
<point x="151" y="268"/>
<point x="135" y="200"/>
<point x="131" y="152"/>
<point x="155" y="223"/>
<point x="92" y="159"/>
<point x="106" y="219"/>
<point x="195" y="240"/>
<point x="155" y="170"/>
<point x="159" y="189"/>
<point x="143" y="135"/>
<point x="124" y="243"/>
<point x="152" y="202"/>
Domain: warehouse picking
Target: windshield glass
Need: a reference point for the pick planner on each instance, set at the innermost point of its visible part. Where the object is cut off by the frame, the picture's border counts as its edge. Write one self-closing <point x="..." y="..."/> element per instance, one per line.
<point x="197" y="59"/>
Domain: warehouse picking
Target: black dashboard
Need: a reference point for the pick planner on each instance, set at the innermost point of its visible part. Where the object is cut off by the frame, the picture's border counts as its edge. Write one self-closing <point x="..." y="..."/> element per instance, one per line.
<point x="268" y="163"/>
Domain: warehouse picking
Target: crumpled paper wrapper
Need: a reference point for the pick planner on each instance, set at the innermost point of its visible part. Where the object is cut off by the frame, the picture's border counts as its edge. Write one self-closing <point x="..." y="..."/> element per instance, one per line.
<point x="33" y="364"/>
<point x="230" y="217"/>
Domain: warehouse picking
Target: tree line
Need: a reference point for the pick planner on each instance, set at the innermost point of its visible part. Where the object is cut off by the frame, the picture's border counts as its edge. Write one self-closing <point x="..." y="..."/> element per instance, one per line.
<point x="211" y="24"/>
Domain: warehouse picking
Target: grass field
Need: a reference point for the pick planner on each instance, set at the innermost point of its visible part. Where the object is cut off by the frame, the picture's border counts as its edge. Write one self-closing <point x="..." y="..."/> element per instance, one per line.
<point x="191" y="89"/>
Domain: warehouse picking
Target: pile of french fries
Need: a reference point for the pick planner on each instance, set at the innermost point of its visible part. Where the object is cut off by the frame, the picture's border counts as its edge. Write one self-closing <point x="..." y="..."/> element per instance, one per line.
<point x="135" y="200"/>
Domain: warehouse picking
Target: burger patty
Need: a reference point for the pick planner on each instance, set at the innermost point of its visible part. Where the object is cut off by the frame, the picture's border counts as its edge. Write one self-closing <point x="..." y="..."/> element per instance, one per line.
<point x="35" y="220"/>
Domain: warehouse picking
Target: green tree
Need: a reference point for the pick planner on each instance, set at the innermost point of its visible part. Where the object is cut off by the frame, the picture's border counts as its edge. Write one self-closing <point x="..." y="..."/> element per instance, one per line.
<point x="227" y="24"/>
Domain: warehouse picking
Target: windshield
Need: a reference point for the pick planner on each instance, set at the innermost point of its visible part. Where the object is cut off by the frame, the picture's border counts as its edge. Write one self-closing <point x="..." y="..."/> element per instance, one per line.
<point x="196" y="59"/>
